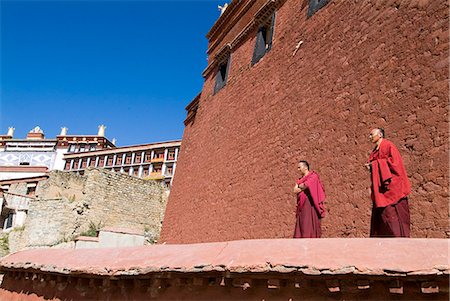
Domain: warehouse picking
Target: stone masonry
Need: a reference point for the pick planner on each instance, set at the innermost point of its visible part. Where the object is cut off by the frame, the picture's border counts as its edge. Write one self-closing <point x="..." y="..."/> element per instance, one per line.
<point x="361" y="64"/>
<point x="67" y="204"/>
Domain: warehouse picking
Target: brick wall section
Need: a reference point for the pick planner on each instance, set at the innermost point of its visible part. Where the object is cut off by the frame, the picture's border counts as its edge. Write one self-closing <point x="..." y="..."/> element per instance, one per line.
<point x="67" y="203"/>
<point x="362" y="64"/>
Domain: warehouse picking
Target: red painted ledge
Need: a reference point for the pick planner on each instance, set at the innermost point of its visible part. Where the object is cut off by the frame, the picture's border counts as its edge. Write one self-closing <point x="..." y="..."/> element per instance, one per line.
<point x="24" y="168"/>
<point x="329" y="256"/>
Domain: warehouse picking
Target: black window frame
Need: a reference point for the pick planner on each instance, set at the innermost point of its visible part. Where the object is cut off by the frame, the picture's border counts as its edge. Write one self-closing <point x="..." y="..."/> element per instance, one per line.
<point x="264" y="38"/>
<point x="315" y="5"/>
<point x="223" y="70"/>
<point x="31" y="190"/>
<point x="9" y="220"/>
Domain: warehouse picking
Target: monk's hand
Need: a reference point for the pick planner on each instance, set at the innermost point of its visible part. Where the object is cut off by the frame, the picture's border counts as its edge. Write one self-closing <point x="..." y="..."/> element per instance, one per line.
<point x="367" y="165"/>
<point x="297" y="189"/>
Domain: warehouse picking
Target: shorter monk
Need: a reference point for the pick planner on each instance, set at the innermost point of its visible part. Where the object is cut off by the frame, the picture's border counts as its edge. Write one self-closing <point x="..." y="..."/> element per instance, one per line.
<point x="310" y="203"/>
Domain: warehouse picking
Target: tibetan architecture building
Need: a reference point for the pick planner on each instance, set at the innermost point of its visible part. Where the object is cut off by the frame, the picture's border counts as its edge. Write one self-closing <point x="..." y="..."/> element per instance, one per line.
<point x="288" y="80"/>
<point x="155" y="161"/>
<point x="26" y="162"/>
<point x="291" y="80"/>
<point x="36" y="154"/>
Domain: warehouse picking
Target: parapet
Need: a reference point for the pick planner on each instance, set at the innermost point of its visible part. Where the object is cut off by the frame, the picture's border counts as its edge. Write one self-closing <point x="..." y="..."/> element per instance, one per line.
<point x="279" y="269"/>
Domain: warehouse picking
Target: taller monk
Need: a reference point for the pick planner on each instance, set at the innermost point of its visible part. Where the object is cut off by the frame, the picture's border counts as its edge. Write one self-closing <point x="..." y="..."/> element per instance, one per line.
<point x="390" y="189"/>
<point x="310" y="203"/>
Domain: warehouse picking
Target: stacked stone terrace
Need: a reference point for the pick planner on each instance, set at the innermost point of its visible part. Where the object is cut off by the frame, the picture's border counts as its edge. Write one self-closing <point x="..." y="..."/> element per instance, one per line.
<point x="66" y="204"/>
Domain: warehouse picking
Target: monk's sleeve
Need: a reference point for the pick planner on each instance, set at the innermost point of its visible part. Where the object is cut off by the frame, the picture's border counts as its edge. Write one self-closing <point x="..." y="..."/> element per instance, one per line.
<point x="317" y="193"/>
<point x="394" y="161"/>
<point x="384" y="171"/>
<point x="398" y="171"/>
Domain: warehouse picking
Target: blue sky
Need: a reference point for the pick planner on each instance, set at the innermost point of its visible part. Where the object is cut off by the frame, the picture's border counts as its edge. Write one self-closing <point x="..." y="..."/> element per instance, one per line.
<point x="131" y="65"/>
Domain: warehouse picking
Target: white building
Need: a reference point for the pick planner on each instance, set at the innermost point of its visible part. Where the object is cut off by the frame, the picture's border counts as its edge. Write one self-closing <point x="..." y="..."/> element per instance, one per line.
<point x="35" y="155"/>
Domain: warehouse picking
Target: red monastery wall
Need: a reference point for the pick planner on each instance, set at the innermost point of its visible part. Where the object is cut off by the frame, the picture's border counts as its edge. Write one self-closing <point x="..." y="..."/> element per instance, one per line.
<point x="362" y="64"/>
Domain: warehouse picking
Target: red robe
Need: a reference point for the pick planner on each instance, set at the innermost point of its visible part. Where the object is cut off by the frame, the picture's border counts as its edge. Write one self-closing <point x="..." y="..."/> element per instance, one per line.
<point x="389" y="180"/>
<point x="390" y="188"/>
<point x="310" y="207"/>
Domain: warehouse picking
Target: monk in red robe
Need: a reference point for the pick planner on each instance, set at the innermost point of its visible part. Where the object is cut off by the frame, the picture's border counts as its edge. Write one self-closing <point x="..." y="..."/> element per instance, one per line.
<point x="310" y="207"/>
<point x="390" y="188"/>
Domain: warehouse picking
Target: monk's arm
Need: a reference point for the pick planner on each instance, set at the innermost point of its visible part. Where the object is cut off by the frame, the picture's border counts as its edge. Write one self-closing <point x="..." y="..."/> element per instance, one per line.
<point x="299" y="188"/>
<point x="394" y="160"/>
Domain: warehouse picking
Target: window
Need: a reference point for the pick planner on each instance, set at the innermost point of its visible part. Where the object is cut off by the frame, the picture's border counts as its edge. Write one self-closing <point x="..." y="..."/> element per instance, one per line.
<point x="82" y="147"/>
<point x="101" y="160"/>
<point x="31" y="190"/>
<point x="92" y="162"/>
<point x="83" y="163"/>
<point x="67" y="165"/>
<point x="169" y="170"/>
<point x="119" y="159"/>
<point x="222" y="75"/>
<point x="9" y="221"/>
<point x="148" y="157"/>
<point x="128" y="159"/>
<point x="315" y="5"/>
<point x="171" y="155"/>
<point x="92" y="146"/>
<point x="145" y="171"/>
<point x="110" y="160"/>
<point x="263" y="39"/>
<point x="137" y="158"/>
<point x="71" y="148"/>
<point x="5" y="188"/>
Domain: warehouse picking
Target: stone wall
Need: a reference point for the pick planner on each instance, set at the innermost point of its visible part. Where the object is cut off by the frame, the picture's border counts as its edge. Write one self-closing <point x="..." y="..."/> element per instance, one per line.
<point x="67" y="204"/>
<point x="362" y="64"/>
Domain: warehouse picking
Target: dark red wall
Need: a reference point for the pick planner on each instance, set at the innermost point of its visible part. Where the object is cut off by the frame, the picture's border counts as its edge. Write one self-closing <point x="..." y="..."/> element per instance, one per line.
<point x="62" y="288"/>
<point x="362" y="64"/>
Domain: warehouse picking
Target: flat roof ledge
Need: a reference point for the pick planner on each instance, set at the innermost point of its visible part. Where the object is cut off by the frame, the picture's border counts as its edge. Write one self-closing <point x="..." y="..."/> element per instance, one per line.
<point x="275" y="269"/>
<point x="328" y="256"/>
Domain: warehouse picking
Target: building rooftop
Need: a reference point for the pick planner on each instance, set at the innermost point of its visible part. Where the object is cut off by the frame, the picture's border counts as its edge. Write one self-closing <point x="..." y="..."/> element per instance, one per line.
<point x="124" y="149"/>
<point x="331" y="256"/>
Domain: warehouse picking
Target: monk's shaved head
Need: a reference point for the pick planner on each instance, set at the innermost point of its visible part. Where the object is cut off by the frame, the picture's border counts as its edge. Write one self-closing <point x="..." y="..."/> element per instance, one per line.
<point x="378" y="131"/>
<point x="376" y="135"/>
<point x="305" y="163"/>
